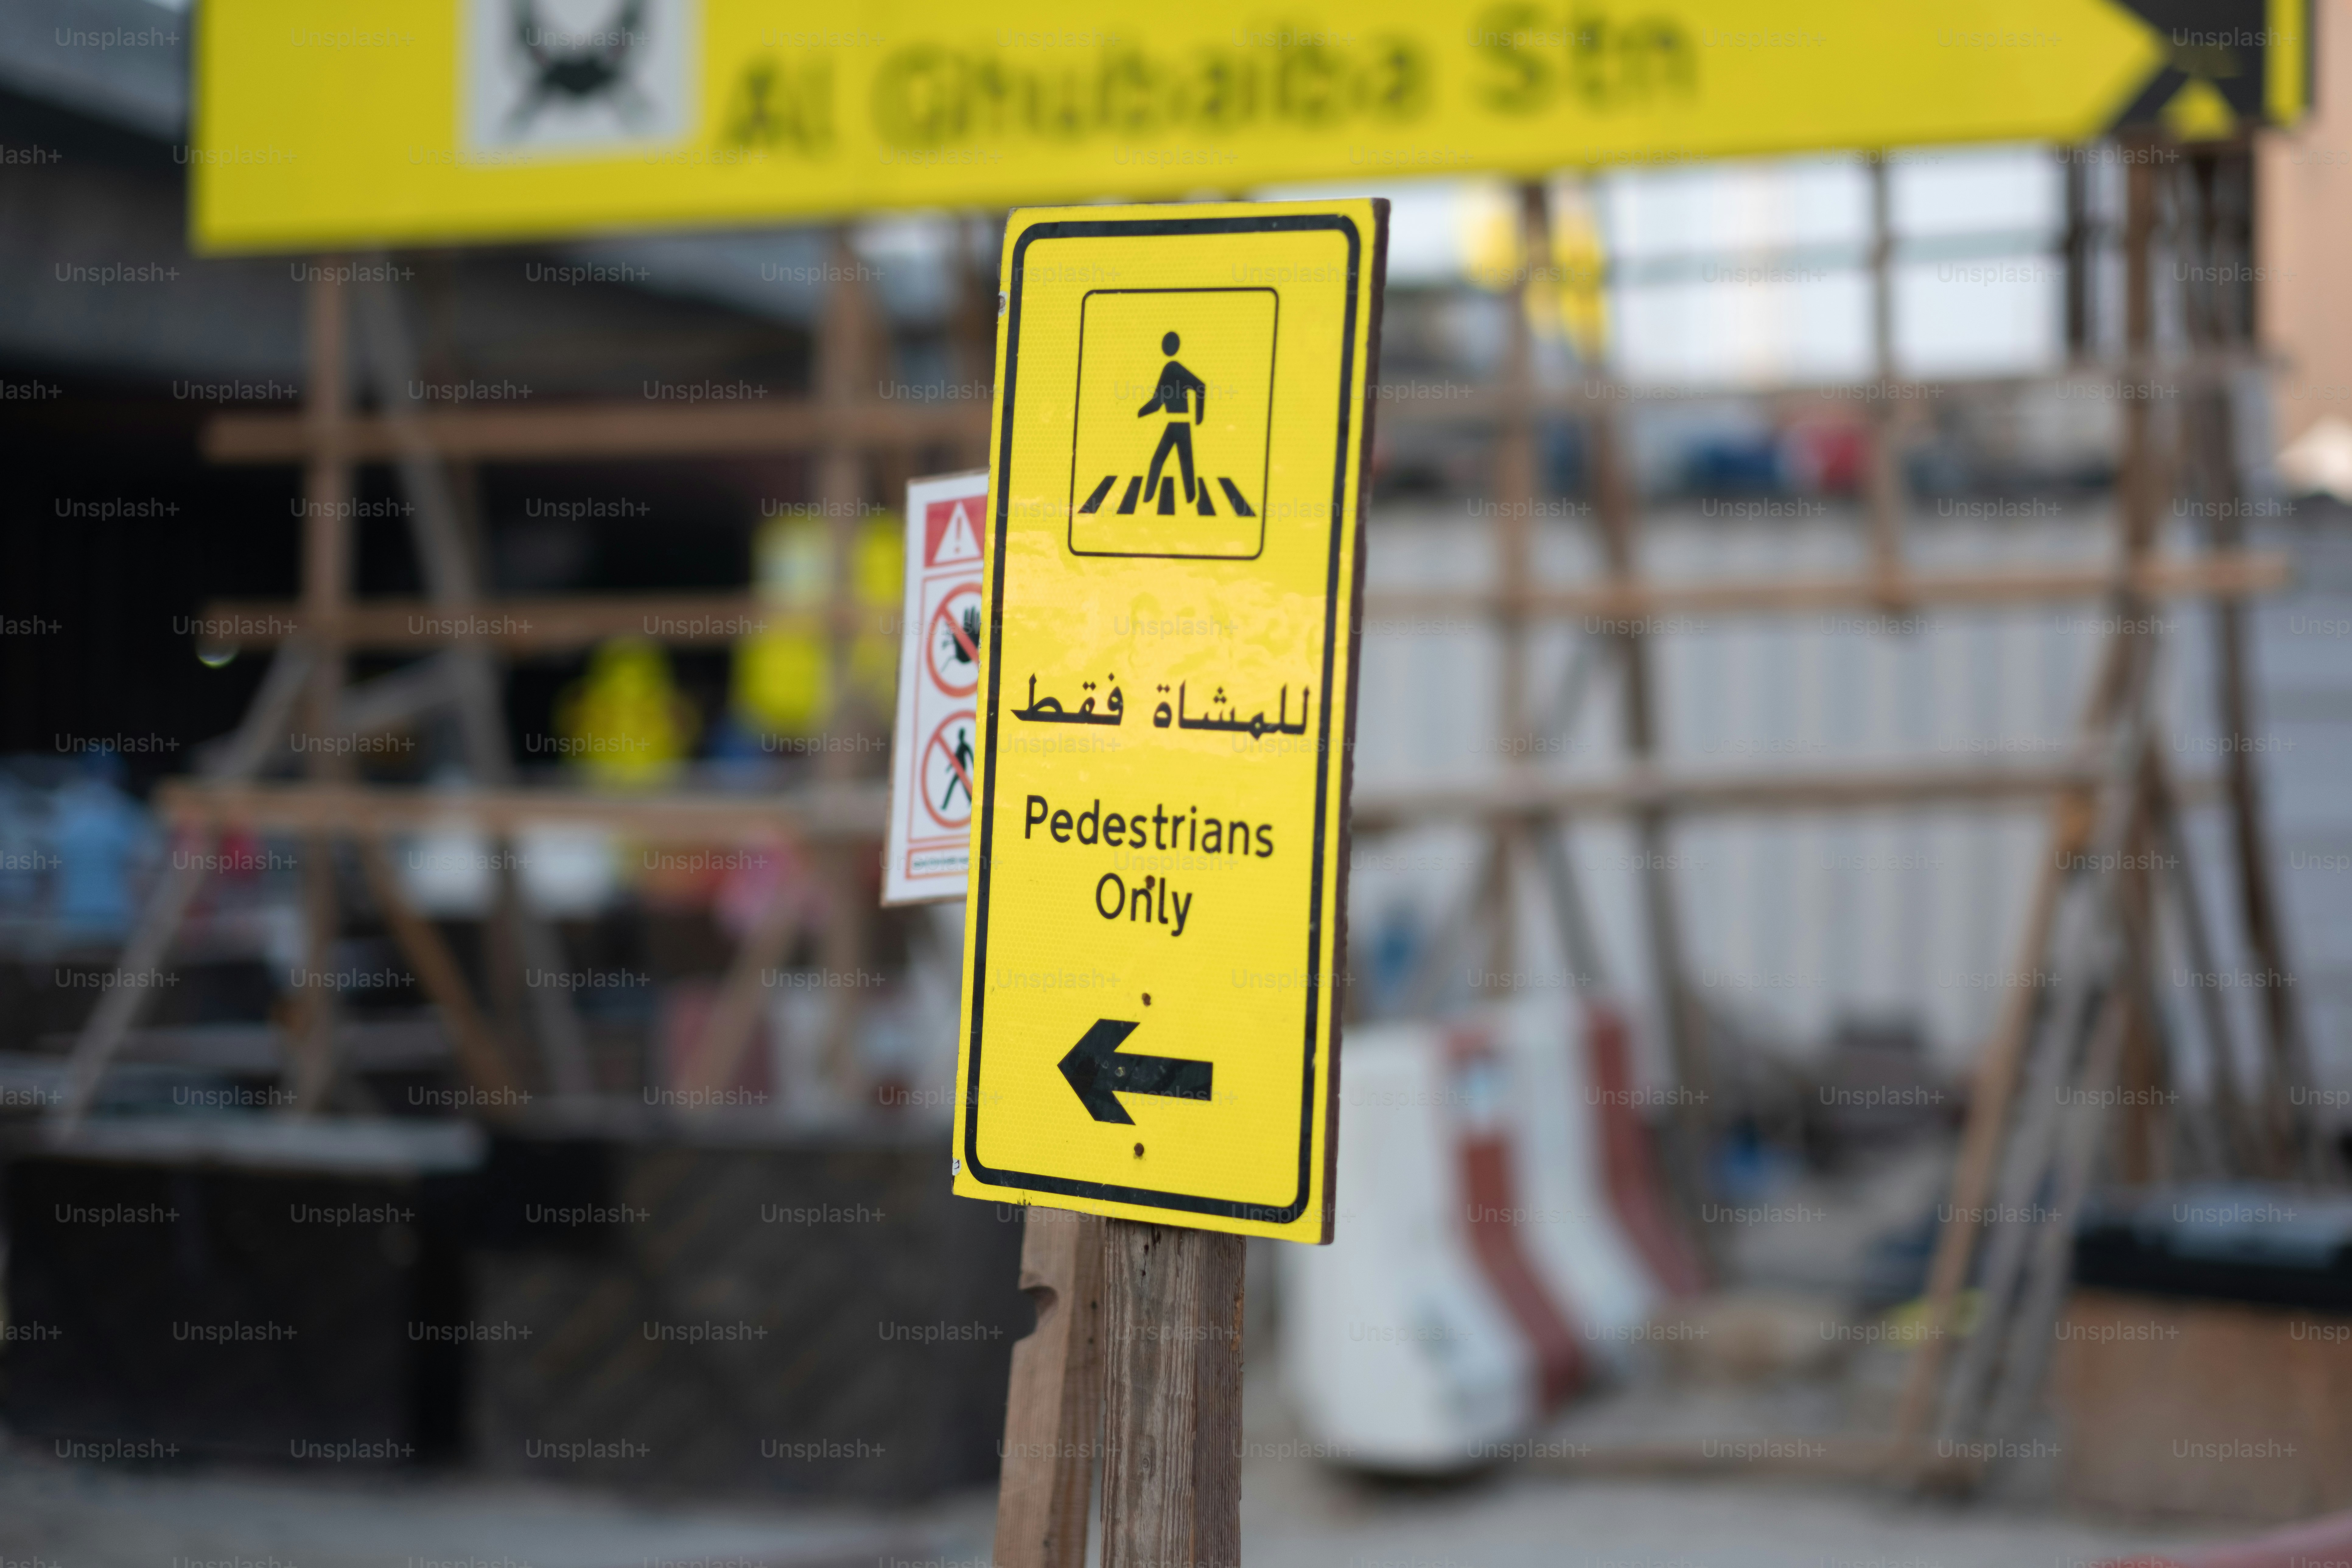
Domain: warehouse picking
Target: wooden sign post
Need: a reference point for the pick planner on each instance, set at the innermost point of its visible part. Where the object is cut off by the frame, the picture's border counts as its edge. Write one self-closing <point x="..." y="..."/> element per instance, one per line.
<point x="1172" y="1398"/>
<point x="1053" y="1410"/>
<point x="1165" y="715"/>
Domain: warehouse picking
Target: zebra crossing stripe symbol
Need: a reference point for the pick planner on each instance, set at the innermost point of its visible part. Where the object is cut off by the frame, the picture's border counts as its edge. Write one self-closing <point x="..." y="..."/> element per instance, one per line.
<point x="1165" y="496"/>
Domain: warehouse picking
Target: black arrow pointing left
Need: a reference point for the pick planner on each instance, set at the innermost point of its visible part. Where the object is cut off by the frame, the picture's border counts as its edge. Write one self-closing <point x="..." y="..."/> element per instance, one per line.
<point x="1099" y="1072"/>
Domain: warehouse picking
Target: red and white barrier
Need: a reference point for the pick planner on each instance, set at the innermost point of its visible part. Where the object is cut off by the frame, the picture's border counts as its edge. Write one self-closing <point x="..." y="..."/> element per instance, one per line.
<point x="1501" y="1243"/>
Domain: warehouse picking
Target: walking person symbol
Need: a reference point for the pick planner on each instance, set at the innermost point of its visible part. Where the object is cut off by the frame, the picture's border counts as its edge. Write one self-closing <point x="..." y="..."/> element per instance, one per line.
<point x="1185" y="395"/>
<point x="1183" y="398"/>
<point x="961" y="762"/>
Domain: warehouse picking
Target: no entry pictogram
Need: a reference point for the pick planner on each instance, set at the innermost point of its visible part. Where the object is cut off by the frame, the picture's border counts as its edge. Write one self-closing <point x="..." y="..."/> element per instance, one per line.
<point x="951" y="643"/>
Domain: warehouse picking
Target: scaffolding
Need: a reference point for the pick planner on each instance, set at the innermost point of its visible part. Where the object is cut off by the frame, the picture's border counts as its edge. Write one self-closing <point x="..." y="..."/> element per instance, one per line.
<point x="2106" y="795"/>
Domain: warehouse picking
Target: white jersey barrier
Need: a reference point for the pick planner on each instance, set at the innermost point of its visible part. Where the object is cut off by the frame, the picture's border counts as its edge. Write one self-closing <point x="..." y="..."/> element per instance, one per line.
<point x="1483" y="1269"/>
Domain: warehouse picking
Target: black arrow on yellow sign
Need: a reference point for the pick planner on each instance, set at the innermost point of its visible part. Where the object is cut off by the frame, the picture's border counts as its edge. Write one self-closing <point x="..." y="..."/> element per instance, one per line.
<point x="1100" y="1074"/>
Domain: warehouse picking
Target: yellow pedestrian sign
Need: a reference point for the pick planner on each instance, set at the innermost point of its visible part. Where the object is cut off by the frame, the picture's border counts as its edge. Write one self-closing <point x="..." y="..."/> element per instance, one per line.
<point x="1154" y="935"/>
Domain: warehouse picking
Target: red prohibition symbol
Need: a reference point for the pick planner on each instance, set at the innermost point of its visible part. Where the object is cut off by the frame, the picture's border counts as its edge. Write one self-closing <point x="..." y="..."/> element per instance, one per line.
<point x="951" y="643"/>
<point x="945" y="774"/>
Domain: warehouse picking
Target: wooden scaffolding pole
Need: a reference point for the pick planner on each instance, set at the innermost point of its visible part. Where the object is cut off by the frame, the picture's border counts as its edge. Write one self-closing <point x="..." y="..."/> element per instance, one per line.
<point x="327" y="492"/>
<point x="259" y="736"/>
<point x="851" y="355"/>
<point x="1691" y="1132"/>
<point x="544" y="626"/>
<point x="2119" y="690"/>
<point x="1882" y="481"/>
<point x="1516" y="483"/>
<point x="448" y="550"/>
<point x="2220" y="238"/>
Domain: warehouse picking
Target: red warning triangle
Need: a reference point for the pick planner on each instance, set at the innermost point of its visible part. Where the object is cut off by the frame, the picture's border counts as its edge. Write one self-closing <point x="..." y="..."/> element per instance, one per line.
<point x="952" y="534"/>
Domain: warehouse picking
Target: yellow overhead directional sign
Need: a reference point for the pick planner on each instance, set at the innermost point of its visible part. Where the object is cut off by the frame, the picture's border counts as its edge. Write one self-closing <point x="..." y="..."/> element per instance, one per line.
<point x="1154" y="927"/>
<point x="363" y="122"/>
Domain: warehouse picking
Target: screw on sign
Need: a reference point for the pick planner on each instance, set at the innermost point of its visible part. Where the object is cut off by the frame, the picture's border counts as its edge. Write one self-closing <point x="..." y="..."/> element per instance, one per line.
<point x="1163" y="842"/>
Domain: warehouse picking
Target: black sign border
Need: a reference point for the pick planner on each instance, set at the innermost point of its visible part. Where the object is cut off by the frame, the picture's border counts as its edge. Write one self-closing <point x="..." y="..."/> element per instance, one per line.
<point x="1266" y="458"/>
<point x="1320" y="1012"/>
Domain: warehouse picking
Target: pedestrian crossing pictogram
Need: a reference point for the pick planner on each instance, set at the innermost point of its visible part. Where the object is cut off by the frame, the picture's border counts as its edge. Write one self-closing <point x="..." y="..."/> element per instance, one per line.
<point x="1184" y="396"/>
<point x="1200" y="363"/>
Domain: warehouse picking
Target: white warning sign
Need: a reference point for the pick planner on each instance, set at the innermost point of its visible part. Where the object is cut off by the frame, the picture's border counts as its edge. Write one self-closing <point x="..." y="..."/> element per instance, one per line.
<point x="933" y="742"/>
